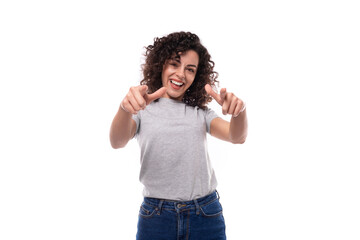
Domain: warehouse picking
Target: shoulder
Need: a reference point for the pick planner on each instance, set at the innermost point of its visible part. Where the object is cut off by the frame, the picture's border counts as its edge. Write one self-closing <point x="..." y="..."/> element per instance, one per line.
<point x="209" y="113"/>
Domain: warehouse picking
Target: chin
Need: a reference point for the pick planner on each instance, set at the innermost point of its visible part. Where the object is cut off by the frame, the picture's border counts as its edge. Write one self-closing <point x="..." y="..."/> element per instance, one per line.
<point x="177" y="96"/>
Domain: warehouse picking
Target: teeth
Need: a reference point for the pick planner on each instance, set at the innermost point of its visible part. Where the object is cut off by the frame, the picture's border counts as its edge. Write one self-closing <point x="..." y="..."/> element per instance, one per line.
<point x="177" y="83"/>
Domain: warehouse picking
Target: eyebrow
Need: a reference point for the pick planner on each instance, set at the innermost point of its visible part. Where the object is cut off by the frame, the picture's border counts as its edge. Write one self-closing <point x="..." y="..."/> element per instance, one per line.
<point x="177" y="59"/>
<point x="191" y="65"/>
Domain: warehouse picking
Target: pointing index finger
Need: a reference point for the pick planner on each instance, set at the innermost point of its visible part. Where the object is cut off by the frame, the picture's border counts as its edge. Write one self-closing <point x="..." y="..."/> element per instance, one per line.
<point x="213" y="94"/>
<point x="143" y="89"/>
<point x="223" y="94"/>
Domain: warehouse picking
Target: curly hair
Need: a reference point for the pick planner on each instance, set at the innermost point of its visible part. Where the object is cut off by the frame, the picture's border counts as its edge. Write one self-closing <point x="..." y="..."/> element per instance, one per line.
<point x="175" y="43"/>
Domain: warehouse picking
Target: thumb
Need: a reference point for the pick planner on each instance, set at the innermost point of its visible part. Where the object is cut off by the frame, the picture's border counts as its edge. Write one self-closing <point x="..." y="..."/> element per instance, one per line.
<point x="213" y="94"/>
<point x="157" y="94"/>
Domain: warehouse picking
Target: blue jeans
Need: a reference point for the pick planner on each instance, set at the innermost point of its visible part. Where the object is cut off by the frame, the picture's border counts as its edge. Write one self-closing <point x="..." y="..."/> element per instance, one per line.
<point x="200" y="219"/>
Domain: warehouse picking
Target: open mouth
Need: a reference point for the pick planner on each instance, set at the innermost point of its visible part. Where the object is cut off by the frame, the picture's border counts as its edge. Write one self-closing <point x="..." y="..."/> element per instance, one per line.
<point x="176" y="85"/>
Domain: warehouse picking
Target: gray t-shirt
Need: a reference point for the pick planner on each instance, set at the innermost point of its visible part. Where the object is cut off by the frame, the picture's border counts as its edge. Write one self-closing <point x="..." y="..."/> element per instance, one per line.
<point x="175" y="164"/>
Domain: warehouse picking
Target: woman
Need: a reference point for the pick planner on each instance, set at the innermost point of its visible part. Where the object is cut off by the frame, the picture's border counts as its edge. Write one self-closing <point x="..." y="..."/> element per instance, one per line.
<point x="168" y="115"/>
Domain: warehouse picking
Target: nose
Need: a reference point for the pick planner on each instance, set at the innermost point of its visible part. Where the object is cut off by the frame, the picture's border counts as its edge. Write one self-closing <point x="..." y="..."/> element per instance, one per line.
<point x="180" y="73"/>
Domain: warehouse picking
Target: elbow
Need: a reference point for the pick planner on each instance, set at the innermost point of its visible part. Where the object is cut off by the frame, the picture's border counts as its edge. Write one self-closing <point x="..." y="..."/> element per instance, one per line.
<point x="117" y="144"/>
<point x="118" y="140"/>
<point x="238" y="141"/>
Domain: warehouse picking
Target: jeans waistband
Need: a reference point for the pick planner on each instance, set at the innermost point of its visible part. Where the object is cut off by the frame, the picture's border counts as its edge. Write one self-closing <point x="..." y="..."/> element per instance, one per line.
<point x="174" y="203"/>
<point x="178" y="205"/>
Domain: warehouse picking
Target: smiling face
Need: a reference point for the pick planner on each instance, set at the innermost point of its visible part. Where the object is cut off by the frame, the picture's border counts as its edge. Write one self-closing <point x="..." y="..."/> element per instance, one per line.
<point x="179" y="73"/>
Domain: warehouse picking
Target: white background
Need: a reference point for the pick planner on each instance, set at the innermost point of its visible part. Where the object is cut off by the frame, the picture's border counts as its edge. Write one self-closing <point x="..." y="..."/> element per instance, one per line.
<point x="66" y="65"/>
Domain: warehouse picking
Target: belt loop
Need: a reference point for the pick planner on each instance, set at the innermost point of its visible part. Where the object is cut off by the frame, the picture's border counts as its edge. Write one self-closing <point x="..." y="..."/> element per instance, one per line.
<point x="158" y="209"/>
<point x="197" y="207"/>
<point x="217" y="194"/>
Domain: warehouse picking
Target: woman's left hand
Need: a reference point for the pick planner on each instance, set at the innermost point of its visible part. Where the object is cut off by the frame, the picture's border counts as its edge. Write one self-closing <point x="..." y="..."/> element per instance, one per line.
<point x="230" y="103"/>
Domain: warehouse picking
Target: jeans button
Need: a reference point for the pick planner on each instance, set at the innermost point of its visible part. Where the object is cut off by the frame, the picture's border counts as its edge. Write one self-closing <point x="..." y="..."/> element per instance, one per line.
<point x="181" y="205"/>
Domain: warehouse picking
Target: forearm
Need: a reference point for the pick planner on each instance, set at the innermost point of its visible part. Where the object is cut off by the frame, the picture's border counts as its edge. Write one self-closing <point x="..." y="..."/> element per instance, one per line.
<point x="121" y="130"/>
<point x="238" y="128"/>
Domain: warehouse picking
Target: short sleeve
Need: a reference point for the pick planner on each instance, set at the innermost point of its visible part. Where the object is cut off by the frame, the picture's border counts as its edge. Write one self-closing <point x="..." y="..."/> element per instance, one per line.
<point x="209" y="116"/>
<point x="136" y="118"/>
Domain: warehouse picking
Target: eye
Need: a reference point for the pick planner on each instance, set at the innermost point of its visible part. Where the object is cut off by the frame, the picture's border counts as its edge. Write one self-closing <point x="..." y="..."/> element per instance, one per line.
<point x="191" y="70"/>
<point x="173" y="64"/>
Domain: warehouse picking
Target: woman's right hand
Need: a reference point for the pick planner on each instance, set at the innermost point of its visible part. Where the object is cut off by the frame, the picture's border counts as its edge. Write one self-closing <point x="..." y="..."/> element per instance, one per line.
<point x="137" y="98"/>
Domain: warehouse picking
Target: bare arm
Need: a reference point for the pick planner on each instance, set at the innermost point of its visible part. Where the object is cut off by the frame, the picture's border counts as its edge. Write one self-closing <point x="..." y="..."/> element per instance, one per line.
<point x="234" y="131"/>
<point x="122" y="129"/>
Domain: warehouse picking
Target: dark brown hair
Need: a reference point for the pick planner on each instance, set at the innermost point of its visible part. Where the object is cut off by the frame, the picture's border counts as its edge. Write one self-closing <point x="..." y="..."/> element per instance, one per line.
<point x="163" y="49"/>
